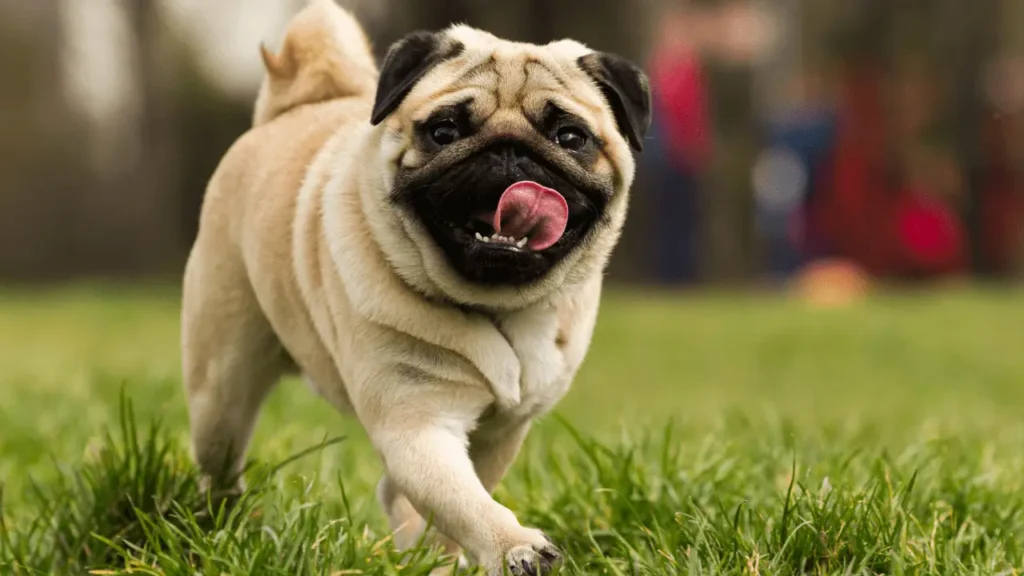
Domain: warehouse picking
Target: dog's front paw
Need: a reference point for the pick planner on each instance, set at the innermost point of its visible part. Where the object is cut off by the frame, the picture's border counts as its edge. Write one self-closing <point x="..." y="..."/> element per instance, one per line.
<point x="538" y="557"/>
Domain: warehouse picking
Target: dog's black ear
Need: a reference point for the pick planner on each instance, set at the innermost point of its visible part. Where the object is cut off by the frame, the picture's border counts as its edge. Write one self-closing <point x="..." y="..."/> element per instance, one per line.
<point x="406" y="63"/>
<point x="628" y="93"/>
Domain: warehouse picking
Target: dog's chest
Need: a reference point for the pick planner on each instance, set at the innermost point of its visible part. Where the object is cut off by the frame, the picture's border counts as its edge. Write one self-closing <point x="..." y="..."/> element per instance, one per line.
<point x="545" y="375"/>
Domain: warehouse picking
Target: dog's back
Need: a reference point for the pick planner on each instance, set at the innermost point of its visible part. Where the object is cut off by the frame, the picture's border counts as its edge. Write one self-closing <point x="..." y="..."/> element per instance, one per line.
<point x="320" y="83"/>
<point x="325" y="55"/>
<point x="321" y="80"/>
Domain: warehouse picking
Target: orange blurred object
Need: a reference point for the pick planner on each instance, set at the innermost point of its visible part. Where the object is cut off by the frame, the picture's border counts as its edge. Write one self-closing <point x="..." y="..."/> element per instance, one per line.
<point x="832" y="283"/>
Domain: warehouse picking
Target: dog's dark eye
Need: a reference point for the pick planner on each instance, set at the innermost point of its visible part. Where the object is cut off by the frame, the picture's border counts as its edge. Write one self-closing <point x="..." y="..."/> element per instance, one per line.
<point x="572" y="139"/>
<point x="444" y="132"/>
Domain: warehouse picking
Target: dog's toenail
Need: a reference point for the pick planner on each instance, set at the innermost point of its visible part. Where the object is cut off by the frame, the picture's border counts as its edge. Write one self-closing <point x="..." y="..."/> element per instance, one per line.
<point x="528" y="568"/>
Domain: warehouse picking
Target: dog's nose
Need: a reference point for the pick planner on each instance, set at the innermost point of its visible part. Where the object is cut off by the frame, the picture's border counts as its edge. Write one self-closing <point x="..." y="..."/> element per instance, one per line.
<point x="508" y="156"/>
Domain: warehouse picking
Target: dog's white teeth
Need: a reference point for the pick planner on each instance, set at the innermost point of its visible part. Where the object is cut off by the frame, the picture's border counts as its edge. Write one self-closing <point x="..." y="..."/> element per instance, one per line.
<point x="497" y="238"/>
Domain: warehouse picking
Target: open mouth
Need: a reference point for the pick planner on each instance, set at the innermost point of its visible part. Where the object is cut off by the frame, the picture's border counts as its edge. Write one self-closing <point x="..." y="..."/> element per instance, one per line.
<point x="503" y="217"/>
<point x="529" y="218"/>
<point x="528" y="230"/>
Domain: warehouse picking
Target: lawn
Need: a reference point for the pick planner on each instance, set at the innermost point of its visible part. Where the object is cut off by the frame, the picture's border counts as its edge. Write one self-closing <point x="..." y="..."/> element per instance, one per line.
<point x="706" y="434"/>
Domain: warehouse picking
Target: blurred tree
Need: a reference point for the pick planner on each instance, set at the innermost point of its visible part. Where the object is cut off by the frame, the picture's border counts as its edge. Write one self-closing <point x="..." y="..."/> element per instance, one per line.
<point x="209" y="121"/>
<point x="150" y="194"/>
<point x="42" y="171"/>
<point x="974" y="32"/>
<point x="728" y="239"/>
<point x="63" y="216"/>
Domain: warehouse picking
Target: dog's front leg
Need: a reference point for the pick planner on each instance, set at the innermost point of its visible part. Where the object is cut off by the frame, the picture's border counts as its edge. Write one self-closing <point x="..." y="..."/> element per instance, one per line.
<point x="422" y="432"/>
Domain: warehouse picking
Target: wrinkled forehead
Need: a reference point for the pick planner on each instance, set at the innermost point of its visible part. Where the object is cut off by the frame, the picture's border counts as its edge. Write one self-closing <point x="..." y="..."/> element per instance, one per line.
<point x="498" y="75"/>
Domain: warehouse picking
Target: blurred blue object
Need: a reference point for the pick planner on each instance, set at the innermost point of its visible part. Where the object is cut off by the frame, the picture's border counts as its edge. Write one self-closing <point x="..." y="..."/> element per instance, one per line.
<point x="676" y="205"/>
<point x="798" y="144"/>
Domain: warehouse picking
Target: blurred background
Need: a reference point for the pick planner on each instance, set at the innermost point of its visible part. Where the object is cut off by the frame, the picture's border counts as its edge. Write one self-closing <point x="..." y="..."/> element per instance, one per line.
<point x="888" y="136"/>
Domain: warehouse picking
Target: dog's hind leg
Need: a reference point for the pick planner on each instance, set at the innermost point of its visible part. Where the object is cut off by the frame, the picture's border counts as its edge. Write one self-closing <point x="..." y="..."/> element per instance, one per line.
<point x="231" y="361"/>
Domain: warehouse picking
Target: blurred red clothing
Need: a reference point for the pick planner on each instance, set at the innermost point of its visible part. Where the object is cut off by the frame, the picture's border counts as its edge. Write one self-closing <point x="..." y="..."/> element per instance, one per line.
<point x="932" y="238"/>
<point x="854" y="213"/>
<point x="679" y="91"/>
<point x="887" y="227"/>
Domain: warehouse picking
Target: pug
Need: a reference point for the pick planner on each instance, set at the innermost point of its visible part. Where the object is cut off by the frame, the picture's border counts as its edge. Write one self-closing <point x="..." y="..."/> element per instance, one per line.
<point x="424" y="242"/>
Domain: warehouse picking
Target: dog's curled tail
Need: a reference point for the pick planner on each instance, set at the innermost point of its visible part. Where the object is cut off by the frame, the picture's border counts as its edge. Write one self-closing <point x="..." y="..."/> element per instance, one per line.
<point x="325" y="55"/>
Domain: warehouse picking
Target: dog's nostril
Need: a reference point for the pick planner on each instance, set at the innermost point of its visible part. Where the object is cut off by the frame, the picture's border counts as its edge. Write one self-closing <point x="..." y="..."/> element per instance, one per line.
<point x="499" y="154"/>
<point x="503" y="154"/>
<point x="514" y="160"/>
<point x="509" y="150"/>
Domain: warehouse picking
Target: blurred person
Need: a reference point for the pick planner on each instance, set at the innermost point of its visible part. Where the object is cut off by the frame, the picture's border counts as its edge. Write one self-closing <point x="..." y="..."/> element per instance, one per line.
<point x="932" y="239"/>
<point x="681" y="146"/>
<point x="928" y="195"/>
<point x="799" y="138"/>
<point x="888" y="202"/>
<point x="846" y="209"/>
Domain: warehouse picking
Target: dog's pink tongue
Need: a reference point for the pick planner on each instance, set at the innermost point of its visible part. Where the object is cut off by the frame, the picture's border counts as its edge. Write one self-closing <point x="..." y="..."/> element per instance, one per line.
<point x="529" y="210"/>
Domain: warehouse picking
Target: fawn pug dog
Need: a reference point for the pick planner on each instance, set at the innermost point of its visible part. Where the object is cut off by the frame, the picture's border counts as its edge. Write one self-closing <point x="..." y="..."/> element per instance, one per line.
<point x="425" y="244"/>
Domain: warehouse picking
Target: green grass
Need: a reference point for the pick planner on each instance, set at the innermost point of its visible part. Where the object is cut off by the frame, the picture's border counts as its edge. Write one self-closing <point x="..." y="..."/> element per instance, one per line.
<point x="706" y="434"/>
